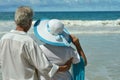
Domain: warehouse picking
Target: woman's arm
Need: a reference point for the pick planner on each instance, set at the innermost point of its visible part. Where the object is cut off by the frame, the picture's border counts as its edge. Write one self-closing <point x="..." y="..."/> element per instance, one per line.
<point x="76" y="42"/>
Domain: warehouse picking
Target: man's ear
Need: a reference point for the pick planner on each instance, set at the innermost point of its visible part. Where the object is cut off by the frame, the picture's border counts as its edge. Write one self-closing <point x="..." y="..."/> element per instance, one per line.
<point x="30" y="22"/>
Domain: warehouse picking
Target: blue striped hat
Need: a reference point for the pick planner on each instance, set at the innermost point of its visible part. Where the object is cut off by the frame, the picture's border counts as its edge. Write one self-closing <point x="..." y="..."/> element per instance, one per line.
<point x="52" y="32"/>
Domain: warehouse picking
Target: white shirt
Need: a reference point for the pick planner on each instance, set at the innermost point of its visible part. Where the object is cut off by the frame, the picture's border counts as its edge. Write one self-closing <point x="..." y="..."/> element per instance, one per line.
<point x="20" y="56"/>
<point x="60" y="55"/>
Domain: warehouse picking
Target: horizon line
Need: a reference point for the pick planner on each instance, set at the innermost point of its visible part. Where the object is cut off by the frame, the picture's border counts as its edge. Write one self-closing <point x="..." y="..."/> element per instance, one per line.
<point x="72" y="11"/>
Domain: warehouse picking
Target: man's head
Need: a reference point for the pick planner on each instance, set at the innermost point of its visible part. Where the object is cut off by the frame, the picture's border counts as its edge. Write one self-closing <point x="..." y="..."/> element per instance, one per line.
<point x="23" y="17"/>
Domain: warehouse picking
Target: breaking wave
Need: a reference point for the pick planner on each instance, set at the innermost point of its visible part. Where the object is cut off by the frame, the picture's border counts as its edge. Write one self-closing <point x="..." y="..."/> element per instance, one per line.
<point x="76" y="26"/>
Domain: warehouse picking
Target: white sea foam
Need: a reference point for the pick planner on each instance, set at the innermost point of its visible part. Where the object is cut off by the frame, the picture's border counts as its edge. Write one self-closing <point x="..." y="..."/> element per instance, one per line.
<point x="76" y="26"/>
<point x="95" y="32"/>
<point x="95" y="23"/>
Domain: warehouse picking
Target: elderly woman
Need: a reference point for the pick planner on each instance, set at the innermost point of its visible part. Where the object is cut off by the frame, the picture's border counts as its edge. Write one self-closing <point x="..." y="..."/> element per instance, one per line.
<point x="57" y="45"/>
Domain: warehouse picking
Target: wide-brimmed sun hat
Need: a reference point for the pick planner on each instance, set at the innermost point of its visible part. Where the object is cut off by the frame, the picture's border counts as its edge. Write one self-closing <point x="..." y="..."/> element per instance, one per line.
<point x="52" y="32"/>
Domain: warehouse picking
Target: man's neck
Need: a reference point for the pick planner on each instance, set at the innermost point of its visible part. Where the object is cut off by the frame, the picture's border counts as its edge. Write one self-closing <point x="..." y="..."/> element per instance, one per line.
<point x="20" y="28"/>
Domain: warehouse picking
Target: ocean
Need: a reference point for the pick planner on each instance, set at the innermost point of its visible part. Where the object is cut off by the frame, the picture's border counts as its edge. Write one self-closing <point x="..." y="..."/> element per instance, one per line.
<point x="99" y="35"/>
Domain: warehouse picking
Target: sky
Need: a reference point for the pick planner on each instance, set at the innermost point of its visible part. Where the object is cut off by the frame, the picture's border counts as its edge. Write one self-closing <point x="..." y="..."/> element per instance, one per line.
<point x="62" y="5"/>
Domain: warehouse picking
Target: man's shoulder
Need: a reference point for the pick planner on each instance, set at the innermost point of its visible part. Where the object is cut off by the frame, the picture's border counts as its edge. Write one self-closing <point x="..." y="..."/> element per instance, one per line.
<point x="17" y="37"/>
<point x="5" y="35"/>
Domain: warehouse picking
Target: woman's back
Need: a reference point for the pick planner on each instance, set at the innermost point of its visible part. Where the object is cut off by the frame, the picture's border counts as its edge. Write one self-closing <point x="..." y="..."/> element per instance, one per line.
<point x="60" y="55"/>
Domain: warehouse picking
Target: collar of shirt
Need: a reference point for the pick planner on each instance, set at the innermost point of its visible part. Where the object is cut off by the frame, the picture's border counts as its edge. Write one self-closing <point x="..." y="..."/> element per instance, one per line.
<point x="18" y="32"/>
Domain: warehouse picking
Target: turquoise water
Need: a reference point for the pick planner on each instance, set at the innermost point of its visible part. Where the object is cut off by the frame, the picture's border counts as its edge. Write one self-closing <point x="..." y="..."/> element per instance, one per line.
<point x="103" y="56"/>
<point x="99" y="34"/>
<point x="103" y="15"/>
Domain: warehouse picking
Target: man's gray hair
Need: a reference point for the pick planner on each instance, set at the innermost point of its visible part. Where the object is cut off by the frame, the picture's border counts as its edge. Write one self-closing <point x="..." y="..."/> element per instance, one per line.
<point x="23" y="15"/>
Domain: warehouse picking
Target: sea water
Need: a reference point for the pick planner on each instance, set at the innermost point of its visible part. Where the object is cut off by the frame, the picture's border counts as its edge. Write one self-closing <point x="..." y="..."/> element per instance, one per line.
<point x="99" y="35"/>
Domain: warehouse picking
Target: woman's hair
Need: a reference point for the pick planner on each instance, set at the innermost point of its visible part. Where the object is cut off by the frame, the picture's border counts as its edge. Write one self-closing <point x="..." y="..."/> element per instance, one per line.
<point x="23" y="15"/>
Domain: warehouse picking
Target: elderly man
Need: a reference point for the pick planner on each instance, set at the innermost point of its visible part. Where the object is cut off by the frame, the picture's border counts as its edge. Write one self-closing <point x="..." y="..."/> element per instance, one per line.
<point x="21" y="58"/>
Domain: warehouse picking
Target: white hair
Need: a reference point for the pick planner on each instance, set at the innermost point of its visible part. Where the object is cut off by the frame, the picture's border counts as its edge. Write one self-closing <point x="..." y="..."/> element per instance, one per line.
<point x="23" y="15"/>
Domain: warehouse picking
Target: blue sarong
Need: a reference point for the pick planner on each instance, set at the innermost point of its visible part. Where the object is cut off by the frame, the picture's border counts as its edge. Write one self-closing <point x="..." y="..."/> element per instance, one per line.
<point x="78" y="70"/>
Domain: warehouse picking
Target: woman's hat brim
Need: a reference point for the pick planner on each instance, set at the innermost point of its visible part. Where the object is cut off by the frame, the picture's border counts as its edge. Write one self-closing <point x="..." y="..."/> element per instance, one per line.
<point x="42" y="33"/>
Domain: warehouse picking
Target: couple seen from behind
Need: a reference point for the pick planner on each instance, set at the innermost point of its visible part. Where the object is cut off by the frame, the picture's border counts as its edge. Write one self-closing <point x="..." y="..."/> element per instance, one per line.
<point x="23" y="59"/>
